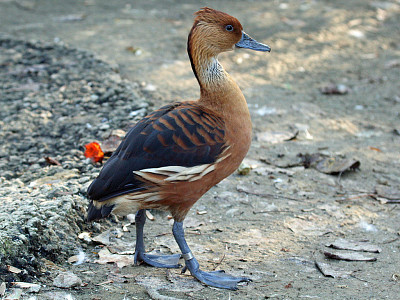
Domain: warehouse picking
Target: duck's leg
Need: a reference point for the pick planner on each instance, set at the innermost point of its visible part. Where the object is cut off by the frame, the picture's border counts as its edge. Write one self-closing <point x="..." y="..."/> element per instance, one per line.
<point x="160" y="261"/>
<point x="215" y="278"/>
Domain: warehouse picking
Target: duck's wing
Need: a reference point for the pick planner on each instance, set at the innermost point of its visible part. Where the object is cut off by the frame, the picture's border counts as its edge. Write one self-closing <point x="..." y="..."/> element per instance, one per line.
<point x="173" y="139"/>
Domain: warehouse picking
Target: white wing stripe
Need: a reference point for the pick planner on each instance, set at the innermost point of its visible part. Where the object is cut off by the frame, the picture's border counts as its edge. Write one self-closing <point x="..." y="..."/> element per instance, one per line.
<point x="176" y="173"/>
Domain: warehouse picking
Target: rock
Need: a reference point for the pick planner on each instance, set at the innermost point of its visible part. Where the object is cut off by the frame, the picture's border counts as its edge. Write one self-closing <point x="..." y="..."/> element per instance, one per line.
<point x="67" y="280"/>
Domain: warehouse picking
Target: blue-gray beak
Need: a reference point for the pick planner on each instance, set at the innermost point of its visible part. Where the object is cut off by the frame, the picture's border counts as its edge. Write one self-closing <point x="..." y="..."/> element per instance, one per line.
<point x="247" y="42"/>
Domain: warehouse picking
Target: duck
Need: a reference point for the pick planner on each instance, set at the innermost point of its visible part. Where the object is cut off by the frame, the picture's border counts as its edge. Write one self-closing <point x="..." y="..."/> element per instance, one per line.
<point x="175" y="154"/>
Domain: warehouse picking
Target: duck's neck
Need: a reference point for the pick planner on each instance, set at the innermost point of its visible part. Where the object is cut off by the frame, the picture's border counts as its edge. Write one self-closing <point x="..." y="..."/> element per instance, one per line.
<point x="217" y="89"/>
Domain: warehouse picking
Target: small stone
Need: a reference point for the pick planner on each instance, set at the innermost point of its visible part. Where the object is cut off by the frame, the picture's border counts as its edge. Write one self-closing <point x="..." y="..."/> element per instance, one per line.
<point x="104" y="126"/>
<point x="244" y="169"/>
<point x="67" y="280"/>
<point x="131" y="218"/>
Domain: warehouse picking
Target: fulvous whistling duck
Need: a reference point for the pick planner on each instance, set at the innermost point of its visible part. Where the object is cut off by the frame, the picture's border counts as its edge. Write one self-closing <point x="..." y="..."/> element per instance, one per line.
<point x="169" y="159"/>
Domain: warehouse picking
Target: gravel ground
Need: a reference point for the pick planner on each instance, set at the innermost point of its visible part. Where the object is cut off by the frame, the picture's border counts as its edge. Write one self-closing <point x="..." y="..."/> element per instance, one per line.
<point x="54" y="100"/>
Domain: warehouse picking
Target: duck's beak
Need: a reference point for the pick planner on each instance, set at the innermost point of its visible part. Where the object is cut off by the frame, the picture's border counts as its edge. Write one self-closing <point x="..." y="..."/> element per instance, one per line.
<point x="247" y="42"/>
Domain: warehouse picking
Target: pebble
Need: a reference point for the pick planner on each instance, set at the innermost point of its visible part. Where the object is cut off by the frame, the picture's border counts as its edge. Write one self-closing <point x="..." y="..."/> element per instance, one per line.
<point x="67" y="280"/>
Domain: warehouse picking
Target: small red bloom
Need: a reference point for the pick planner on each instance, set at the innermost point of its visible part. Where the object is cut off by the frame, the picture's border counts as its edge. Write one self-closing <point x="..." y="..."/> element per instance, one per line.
<point x="94" y="152"/>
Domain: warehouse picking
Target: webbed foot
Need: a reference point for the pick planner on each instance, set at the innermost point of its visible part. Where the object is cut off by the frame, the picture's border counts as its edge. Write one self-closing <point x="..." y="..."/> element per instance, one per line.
<point x="159" y="261"/>
<point x="217" y="279"/>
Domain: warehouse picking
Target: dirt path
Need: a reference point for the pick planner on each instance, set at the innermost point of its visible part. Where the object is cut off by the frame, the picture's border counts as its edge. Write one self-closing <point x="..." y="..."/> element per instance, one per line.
<point x="274" y="223"/>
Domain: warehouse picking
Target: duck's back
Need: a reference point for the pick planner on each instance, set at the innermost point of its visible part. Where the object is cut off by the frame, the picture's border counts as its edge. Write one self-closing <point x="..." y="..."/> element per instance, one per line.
<point x="177" y="135"/>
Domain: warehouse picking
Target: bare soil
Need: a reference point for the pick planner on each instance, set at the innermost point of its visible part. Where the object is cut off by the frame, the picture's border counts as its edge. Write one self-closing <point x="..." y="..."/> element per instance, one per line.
<point x="274" y="223"/>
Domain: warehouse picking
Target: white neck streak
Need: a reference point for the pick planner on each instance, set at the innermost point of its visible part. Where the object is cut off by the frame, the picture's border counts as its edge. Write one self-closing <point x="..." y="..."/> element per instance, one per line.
<point x="211" y="73"/>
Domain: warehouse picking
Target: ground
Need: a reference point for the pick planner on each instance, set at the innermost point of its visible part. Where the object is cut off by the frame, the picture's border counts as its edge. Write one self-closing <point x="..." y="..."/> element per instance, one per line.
<point x="332" y="78"/>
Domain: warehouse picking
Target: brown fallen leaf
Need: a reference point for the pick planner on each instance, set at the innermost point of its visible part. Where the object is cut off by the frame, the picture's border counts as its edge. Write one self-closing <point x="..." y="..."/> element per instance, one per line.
<point x="354" y="246"/>
<point x="332" y="271"/>
<point x="348" y="256"/>
<point x="52" y="161"/>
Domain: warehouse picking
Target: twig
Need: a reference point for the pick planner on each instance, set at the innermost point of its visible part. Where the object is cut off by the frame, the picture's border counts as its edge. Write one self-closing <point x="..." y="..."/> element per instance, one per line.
<point x="354" y="197"/>
<point x="219" y="262"/>
<point x="266" y="195"/>
<point x="270" y="211"/>
<point x="391" y="241"/>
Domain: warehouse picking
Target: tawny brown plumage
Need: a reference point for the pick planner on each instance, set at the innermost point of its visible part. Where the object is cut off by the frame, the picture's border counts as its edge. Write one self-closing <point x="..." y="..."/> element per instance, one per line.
<point x="178" y="152"/>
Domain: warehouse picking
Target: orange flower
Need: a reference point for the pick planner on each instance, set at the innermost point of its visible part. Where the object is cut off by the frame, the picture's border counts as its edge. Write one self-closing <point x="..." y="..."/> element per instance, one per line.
<point x="94" y="152"/>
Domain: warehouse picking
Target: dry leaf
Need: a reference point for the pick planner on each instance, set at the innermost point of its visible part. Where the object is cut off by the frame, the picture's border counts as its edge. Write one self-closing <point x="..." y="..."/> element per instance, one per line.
<point x="331" y="271"/>
<point x="103" y="238"/>
<point x="25" y="285"/>
<point x="336" y="165"/>
<point x="354" y="246"/>
<point x="52" y="161"/>
<point x="105" y="257"/>
<point x="13" y="269"/>
<point x="349" y="256"/>
<point x="86" y="236"/>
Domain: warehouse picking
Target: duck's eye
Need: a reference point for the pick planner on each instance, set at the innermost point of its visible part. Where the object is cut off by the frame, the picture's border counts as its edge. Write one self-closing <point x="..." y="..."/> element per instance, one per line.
<point x="229" y="27"/>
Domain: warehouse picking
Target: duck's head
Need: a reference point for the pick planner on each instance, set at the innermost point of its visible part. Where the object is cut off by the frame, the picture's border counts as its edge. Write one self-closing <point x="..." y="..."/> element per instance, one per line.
<point x="214" y="32"/>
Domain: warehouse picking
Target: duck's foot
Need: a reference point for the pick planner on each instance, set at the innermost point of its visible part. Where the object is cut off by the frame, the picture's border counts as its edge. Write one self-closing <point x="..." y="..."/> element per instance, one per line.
<point x="217" y="279"/>
<point x="159" y="261"/>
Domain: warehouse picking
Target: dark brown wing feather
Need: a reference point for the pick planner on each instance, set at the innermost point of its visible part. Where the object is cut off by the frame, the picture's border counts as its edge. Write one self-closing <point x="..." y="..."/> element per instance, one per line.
<point x="180" y="134"/>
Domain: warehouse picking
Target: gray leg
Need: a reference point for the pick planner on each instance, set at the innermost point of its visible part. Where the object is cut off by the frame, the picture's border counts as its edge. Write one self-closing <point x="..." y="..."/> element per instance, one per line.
<point x="160" y="261"/>
<point x="216" y="278"/>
